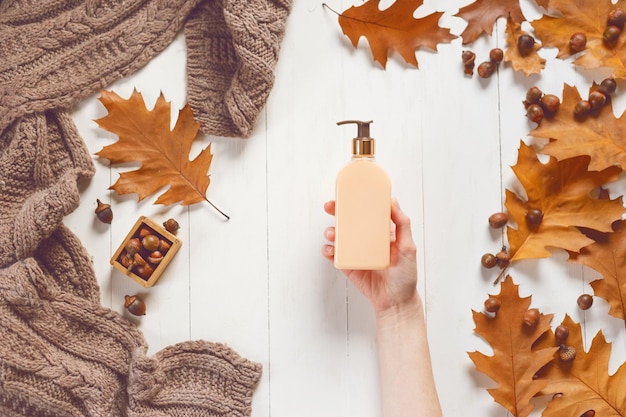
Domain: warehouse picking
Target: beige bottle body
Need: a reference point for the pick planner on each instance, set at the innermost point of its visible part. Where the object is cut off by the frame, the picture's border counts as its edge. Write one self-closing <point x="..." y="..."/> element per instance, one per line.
<point x="362" y="216"/>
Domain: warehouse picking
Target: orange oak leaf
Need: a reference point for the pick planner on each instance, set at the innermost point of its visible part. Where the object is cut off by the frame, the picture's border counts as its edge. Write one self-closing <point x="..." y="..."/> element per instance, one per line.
<point x="145" y="137"/>
<point x="589" y="17"/>
<point x="600" y="135"/>
<point x="481" y="16"/>
<point x="562" y="191"/>
<point x="584" y="383"/>
<point x="529" y="63"/>
<point x="394" y="28"/>
<point x="608" y="256"/>
<point x="514" y="362"/>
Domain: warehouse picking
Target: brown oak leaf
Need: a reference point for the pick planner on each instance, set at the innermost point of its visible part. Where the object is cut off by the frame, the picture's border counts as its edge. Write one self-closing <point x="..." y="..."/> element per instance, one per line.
<point x="145" y="137"/>
<point x="589" y="17"/>
<point x="584" y="383"/>
<point x="394" y="28"/>
<point x="608" y="256"/>
<point x="600" y="135"/>
<point x="481" y="16"/>
<point x="529" y="63"/>
<point x="562" y="191"/>
<point x="514" y="362"/>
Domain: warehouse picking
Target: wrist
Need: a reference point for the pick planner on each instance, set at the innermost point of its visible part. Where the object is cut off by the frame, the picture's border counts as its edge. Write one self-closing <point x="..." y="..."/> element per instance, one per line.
<point x="408" y="310"/>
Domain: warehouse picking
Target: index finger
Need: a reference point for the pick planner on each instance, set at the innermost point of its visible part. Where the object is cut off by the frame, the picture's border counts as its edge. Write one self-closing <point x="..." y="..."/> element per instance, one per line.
<point x="329" y="207"/>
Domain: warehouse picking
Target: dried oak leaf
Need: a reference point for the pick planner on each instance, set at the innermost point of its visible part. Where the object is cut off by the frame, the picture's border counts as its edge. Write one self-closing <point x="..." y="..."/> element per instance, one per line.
<point x="393" y="28"/>
<point x="608" y="256"/>
<point x="145" y="137"/>
<point x="600" y="135"/>
<point x="584" y="383"/>
<point x="590" y="18"/>
<point x="529" y="63"/>
<point x="481" y="16"/>
<point x="562" y="190"/>
<point x="514" y="362"/>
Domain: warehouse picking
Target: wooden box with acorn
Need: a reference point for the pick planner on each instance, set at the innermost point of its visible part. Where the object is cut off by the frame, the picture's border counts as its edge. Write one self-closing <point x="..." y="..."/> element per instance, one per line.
<point x="145" y="252"/>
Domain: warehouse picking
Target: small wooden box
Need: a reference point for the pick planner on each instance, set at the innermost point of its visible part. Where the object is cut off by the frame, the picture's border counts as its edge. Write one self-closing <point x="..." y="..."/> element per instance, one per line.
<point x="146" y="226"/>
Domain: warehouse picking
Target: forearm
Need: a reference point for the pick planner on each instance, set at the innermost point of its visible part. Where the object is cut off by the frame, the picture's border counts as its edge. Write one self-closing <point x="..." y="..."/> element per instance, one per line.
<point x="408" y="388"/>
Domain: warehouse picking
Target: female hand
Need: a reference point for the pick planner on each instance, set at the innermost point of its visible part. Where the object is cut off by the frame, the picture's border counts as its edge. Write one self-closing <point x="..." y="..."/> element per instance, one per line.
<point x="395" y="286"/>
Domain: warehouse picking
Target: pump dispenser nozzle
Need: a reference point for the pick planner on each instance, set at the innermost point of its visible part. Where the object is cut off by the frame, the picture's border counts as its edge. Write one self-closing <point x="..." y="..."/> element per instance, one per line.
<point x="363" y="144"/>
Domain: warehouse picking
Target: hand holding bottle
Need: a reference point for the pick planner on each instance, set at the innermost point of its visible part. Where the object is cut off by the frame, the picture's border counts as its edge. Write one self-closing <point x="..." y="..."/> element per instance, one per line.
<point x="407" y="384"/>
<point x="394" y="286"/>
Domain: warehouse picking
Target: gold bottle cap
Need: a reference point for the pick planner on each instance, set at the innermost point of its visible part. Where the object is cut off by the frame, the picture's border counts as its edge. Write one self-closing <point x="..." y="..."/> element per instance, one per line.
<point x="363" y="147"/>
<point x="363" y="144"/>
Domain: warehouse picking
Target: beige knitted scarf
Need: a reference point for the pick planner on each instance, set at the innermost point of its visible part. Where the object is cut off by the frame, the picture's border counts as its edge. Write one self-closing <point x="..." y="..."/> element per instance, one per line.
<point x="61" y="352"/>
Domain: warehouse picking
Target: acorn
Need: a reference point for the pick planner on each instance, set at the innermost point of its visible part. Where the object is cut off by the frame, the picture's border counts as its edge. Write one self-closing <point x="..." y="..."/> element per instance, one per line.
<point x="144" y="271"/>
<point x="104" y="212"/>
<point x="611" y="35"/>
<point x="585" y="301"/>
<point x="143" y="232"/>
<point x="550" y="103"/>
<point x="155" y="257"/>
<point x="133" y="246"/>
<point x="567" y="353"/>
<point x="577" y="42"/>
<point x="616" y="17"/>
<point x="496" y="55"/>
<point x="488" y="260"/>
<point x="492" y="305"/>
<point x="171" y="225"/>
<point x="164" y="246"/>
<point x="468" y="62"/>
<point x="560" y="333"/>
<point x="525" y="44"/>
<point x="503" y="258"/>
<point x="150" y="242"/>
<point x="134" y="305"/>
<point x="486" y="69"/>
<point x="608" y="86"/>
<point x="126" y="260"/>
<point x="534" y="217"/>
<point x="498" y="220"/>
<point x="531" y="317"/>
<point x="597" y="99"/>
<point x="533" y="95"/>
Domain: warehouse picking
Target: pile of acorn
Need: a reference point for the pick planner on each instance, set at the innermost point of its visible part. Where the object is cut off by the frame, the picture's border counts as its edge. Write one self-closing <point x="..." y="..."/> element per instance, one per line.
<point x="142" y="253"/>
<point x="598" y="97"/>
<point x="614" y="26"/>
<point x="145" y="250"/>
<point x="486" y="68"/>
<point x="539" y="105"/>
<point x="502" y="259"/>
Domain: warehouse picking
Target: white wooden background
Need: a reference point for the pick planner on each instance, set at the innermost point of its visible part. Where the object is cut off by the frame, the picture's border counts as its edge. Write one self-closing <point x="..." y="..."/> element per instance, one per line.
<point x="258" y="282"/>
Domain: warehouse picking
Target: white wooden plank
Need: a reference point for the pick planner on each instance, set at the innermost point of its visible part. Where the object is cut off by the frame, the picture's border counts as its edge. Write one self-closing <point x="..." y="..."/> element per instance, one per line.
<point x="307" y="310"/>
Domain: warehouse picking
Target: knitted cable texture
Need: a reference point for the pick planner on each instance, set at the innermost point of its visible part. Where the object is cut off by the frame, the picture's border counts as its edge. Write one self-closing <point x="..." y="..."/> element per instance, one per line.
<point x="62" y="353"/>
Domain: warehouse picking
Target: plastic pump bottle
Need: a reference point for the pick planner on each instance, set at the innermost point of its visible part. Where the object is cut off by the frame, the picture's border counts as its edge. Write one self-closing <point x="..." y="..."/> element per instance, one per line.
<point x="362" y="207"/>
